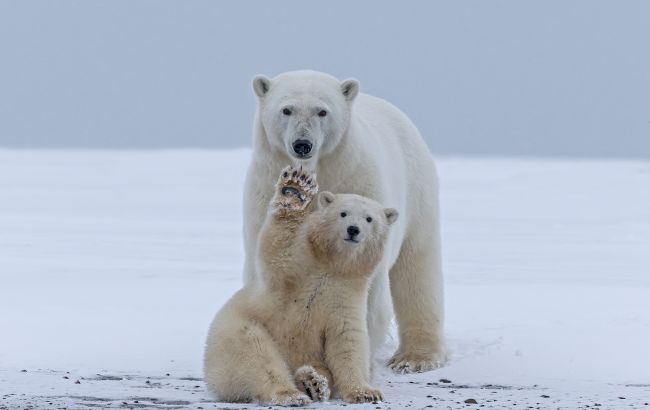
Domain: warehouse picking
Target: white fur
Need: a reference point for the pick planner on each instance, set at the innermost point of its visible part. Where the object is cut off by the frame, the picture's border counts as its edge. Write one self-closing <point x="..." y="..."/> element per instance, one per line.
<point x="364" y="145"/>
<point x="301" y="328"/>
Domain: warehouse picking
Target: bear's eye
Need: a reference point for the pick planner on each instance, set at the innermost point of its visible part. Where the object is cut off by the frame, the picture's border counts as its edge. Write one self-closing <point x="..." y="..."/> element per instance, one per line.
<point x="322" y="113"/>
<point x="369" y="219"/>
<point x="344" y="214"/>
<point x="286" y="111"/>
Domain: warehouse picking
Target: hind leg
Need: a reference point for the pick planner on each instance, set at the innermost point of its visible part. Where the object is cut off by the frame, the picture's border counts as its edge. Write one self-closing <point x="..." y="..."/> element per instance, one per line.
<point x="315" y="380"/>
<point x="242" y="364"/>
<point x="416" y="287"/>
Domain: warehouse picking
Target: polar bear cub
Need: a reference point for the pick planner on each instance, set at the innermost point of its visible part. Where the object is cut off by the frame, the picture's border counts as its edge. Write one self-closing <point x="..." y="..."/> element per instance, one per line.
<point x="300" y="334"/>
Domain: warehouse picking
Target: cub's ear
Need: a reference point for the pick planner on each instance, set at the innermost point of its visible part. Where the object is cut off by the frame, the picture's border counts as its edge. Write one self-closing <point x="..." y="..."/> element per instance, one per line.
<point x="391" y="215"/>
<point x="350" y="89"/>
<point x="261" y="85"/>
<point x="325" y="198"/>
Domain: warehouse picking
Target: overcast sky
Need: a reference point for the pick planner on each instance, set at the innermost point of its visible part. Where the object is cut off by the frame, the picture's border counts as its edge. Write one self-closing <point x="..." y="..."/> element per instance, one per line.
<point x="476" y="77"/>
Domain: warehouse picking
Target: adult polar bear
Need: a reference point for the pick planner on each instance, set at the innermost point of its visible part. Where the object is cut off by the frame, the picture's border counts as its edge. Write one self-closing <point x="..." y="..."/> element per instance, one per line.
<point x="358" y="144"/>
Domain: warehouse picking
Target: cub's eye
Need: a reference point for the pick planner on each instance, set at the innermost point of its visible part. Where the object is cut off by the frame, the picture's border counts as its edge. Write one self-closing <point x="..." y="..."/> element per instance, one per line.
<point x="369" y="219"/>
<point x="343" y="214"/>
<point x="286" y="111"/>
<point x="322" y="113"/>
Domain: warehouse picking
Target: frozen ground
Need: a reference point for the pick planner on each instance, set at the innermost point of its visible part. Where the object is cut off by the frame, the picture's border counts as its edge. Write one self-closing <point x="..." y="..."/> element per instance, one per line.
<point x="113" y="263"/>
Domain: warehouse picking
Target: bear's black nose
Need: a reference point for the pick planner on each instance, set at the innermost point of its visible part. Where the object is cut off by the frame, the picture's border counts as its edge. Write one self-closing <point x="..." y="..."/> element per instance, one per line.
<point x="353" y="231"/>
<point x="302" y="147"/>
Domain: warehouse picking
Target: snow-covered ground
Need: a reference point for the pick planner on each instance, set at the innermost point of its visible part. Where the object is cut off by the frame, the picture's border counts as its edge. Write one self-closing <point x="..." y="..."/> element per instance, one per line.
<point x="112" y="265"/>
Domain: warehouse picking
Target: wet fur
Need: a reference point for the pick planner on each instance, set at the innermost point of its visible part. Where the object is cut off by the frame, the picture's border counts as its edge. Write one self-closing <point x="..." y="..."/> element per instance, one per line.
<point x="308" y="309"/>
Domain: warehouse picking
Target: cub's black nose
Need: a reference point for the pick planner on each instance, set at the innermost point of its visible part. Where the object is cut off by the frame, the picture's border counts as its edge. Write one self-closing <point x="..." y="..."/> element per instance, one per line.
<point x="302" y="147"/>
<point x="353" y="231"/>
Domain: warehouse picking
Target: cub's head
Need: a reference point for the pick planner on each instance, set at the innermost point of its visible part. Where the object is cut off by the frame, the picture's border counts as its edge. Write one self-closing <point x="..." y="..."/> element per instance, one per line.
<point x="349" y="230"/>
<point x="304" y="113"/>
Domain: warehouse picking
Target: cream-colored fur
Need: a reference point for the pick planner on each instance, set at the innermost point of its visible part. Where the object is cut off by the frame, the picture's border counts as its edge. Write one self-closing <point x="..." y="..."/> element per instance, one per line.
<point x="301" y="330"/>
<point x="366" y="146"/>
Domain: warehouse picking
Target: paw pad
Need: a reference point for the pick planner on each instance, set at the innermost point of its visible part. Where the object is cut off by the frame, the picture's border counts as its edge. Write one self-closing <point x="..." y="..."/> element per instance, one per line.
<point x="314" y="384"/>
<point x="296" y="188"/>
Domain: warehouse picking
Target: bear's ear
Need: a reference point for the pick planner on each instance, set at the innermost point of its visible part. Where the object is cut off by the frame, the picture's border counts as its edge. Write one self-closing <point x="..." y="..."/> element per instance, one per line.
<point x="325" y="198"/>
<point x="391" y="215"/>
<point x="350" y="89"/>
<point x="261" y="85"/>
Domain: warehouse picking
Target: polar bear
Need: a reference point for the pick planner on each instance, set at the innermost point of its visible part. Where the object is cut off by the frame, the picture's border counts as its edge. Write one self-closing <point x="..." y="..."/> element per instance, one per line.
<point x="300" y="330"/>
<point x="364" y="145"/>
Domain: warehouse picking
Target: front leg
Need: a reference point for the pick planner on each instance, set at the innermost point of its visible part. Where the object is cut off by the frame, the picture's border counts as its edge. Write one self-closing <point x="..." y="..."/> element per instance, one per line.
<point x="259" y="194"/>
<point x="348" y="358"/>
<point x="258" y="191"/>
<point x="289" y="207"/>
<point x="416" y="287"/>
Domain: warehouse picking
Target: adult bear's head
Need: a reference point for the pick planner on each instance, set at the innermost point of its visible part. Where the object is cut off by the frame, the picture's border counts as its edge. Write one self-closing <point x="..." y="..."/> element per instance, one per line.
<point x="304" y="113"/>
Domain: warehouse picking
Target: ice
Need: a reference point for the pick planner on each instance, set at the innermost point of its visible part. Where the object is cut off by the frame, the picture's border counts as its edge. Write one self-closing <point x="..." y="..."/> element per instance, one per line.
<point x="113" y="263"/>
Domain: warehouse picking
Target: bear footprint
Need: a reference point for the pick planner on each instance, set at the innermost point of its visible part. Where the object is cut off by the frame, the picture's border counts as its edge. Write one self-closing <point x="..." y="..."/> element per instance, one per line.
<point x="296" y="188"/>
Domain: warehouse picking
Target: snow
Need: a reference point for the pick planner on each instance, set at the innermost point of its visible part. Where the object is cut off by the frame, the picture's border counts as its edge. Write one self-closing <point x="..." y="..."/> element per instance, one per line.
<point x="113" y="263"/>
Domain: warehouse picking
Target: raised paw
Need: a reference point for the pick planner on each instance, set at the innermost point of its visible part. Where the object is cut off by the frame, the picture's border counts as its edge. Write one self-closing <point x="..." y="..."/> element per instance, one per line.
<point x="363" y="395"/>
<point x="296" y="188"/>
<point x="313" y="383"/>
<point x="407" y="362"/>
